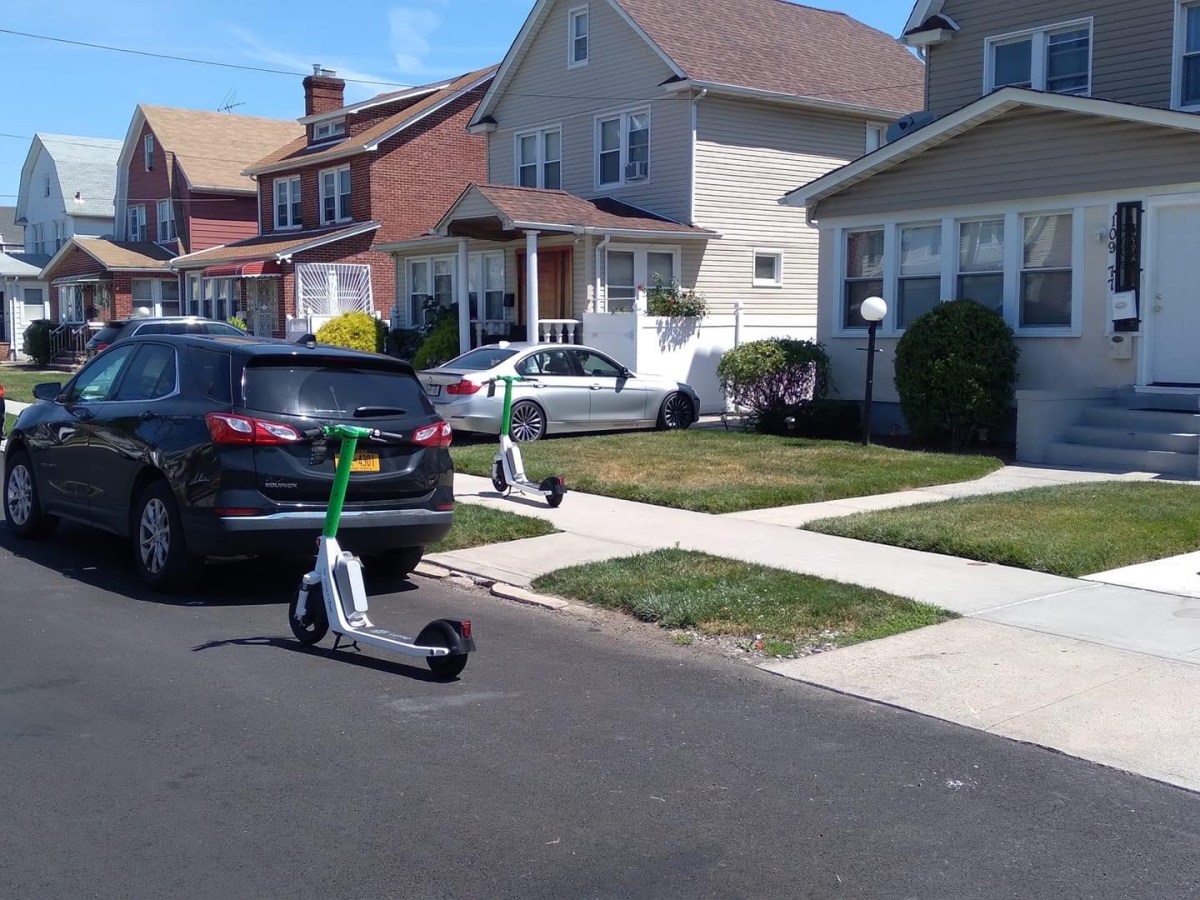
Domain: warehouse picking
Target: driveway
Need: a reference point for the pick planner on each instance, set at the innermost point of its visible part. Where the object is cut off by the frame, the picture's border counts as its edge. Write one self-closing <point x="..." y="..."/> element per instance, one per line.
<point x="190" y="749"/>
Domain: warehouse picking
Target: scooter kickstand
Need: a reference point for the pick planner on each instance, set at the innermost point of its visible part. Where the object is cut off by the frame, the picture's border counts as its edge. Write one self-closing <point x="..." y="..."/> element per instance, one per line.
<point x="337" y="640"/>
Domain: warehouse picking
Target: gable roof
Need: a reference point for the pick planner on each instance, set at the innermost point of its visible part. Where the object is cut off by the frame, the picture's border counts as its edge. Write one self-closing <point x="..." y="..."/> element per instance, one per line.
<point x="922" y="12"/>
<point x="10" y="231"/>
<point x="773" y="48"/>
<point x="130" y="256"/>
<point x="987" y="108"/>
<point x="211" y="148"/>
<point x="85" y="166"/>
<point x="270" y="246"/>
<point x="298" y="151"/>
<point x="21" y="265"/>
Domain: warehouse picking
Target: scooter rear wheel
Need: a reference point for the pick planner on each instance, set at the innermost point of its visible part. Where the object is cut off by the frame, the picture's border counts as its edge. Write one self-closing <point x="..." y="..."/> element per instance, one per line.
<point x="440" y="634"/>
<point x="554" y="490"/>
<point x="315" y="624"/>
<point x="498" y="480"/>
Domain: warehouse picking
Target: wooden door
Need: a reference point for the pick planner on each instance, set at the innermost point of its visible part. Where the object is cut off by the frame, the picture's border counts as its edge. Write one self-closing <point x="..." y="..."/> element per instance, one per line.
<point x="554" y="284"/>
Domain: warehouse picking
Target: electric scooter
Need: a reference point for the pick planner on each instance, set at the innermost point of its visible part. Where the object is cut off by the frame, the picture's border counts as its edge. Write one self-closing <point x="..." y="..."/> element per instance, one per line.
<point x="508" y="469"/>
<point x="333" y="595"/>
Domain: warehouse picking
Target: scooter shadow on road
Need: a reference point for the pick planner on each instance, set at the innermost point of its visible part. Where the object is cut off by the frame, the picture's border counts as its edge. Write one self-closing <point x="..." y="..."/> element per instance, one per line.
<point x="343" y="655"/>
<point x="102" y="561"/>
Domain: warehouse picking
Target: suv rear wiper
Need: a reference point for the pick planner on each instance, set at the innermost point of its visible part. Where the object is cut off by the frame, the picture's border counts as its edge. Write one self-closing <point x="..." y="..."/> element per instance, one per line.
<point x="372" y="412"/>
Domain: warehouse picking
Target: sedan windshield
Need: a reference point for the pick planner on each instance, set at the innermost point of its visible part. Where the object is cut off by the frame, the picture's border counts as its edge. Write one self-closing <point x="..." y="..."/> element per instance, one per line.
<point x="480" y="359"/>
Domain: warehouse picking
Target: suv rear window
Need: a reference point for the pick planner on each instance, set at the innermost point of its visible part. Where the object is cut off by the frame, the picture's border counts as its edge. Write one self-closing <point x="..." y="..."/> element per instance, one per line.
<point x="333" y="390"/>
<point x="105" y="335"/>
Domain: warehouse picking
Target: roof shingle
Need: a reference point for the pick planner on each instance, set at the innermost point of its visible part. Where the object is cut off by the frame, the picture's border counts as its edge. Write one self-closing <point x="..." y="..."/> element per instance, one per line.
<point x="87" y="167"/>
<point x="265" y="246"/>
<point x="125" y="254"/>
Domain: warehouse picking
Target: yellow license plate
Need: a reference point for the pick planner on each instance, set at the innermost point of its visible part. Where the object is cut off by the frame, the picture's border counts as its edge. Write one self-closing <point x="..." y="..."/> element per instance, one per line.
<point x="363" y="462"/>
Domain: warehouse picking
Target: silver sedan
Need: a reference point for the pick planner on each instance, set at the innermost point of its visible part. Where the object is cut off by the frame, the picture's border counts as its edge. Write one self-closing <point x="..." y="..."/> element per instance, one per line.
<point x="571" y="388"/>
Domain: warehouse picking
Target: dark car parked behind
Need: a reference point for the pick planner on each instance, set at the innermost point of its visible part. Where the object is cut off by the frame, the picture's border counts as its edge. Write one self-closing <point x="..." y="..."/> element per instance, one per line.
<point x="201" y="447"/>
<point x="123" y="329"/>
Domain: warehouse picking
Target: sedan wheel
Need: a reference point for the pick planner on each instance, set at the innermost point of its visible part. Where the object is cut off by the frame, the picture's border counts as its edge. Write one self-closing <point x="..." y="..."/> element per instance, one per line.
<point x="528" y="422"/>
<point x="677" y="412"/>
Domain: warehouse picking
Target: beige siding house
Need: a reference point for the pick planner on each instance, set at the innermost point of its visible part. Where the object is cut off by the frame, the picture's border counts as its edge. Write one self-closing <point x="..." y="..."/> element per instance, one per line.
<point x="630" y="140"/>
<point x="1055" y="179"/>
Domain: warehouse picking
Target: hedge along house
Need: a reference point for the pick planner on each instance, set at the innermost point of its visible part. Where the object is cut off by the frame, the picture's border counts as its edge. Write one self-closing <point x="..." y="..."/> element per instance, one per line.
<point x="380" y="170"/>
<point x="1066" y="198"/>
<point x="629" y="139"/>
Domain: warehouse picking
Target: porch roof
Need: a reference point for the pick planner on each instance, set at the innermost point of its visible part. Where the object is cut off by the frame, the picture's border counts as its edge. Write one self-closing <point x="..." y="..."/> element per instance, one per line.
<point x="21" y="266"/>
<point x="501" y="212"/>
<point x="113" y="256"/>
<point x="274" y="247"/>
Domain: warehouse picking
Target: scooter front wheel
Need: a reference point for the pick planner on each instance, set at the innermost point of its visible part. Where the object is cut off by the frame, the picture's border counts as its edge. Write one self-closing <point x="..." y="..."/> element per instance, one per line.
<point x="498" y="480"/>
<point x="315" y="624"/>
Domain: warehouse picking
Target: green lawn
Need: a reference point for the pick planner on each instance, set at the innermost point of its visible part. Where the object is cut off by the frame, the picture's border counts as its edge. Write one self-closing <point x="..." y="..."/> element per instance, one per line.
<point x="9" y="421"/>
<point x="475" y="526"/>
<point x="18" y="381"/>
<point x="681" y="589"/>
<point x="1073" y="530"/>
<point x="716" y="471"/>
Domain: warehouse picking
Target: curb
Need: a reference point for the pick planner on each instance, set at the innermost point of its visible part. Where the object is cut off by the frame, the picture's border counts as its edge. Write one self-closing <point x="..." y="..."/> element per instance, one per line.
<point x="497" y="588"/>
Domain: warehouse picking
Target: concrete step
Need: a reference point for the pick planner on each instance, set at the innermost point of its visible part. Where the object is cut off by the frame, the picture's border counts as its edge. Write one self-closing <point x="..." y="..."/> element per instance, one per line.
<point x="1130" y="439"/>
<point x="1122" y="459"/>
<point x="1142" y="420"/>
<point x="1132" y="399"/>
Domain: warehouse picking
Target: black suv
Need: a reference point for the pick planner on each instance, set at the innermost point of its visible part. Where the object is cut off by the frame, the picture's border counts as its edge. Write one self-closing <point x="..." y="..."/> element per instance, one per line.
<point x="123" y="329"/>
<point x="201" y="447"/>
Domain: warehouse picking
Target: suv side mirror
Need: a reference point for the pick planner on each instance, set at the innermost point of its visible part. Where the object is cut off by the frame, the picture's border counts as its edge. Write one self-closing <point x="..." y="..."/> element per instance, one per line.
<point x="47" y="390"/>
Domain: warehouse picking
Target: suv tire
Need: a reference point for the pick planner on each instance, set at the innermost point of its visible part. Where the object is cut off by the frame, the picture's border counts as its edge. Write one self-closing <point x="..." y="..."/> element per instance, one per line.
<point x="22" y="505"/>
<point x="160" y="552"/>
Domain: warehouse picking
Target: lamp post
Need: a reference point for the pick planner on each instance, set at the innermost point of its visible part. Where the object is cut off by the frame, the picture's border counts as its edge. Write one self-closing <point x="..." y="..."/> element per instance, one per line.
<point x="873" y="310"/>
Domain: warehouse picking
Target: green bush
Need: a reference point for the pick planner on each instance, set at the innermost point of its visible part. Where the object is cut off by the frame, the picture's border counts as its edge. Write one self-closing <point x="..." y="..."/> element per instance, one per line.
<point x="831" y="420"/>
<point x="404" y="342"/>
<point x="667" y="298"/>
<point x="955" y="371"/>
<point x="440" y="344"/>
<point x="356" y="331"/>
<point x="237" y="322"/>
<point x="37" y="342"/>
<point x="768" y="375"/>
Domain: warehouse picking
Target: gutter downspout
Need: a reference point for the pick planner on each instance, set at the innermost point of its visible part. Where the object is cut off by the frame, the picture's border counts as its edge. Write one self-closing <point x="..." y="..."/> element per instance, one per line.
<point x="600" y="249"/>
<point x="691" y="211"/>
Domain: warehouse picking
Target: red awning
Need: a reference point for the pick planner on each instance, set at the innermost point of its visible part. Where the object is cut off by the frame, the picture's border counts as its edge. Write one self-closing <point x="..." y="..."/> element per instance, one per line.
<point x="263" y="268"/>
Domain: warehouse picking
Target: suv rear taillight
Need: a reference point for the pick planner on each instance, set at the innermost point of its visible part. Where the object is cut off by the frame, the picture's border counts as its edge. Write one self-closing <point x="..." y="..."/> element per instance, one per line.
<point x="100" y="347"/>
<point x="230" y="429"/>
<point x="463" y="387"/>
<point x="436" y="435"/>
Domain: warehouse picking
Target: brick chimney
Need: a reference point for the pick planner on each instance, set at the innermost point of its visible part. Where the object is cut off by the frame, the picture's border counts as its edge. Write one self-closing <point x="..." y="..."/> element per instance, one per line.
<point x="323" y="91"/>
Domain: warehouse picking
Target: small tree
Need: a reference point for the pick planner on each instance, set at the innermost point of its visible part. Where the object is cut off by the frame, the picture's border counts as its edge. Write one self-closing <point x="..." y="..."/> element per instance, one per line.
<point x="762" y="376"/>
<point x="355" y="331"/>
<point x="955" y="371"/>
<point x="37" y="342"/>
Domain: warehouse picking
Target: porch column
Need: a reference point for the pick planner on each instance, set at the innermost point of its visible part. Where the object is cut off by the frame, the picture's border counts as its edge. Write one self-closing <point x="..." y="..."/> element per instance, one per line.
<point x="464" y="297"/>
<point x="531" y="286"/>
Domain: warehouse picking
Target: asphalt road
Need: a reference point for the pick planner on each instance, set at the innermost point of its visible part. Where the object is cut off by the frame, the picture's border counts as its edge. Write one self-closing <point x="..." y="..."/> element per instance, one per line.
<point x="192" y="749"/>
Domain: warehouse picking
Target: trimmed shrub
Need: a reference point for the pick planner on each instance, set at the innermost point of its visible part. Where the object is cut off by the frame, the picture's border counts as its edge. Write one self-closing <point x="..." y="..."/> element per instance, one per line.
<point x="831" y="420"/>
<point x="404" y="342"/>
<point x="37" y="341"/>
<point x="355" y="331"/>
<point x="762" y="376"/>
<point x="440" y="344"/>
<point x="666" y="298"/>
<point x="955" y="371"/>
<point x="237" y="322"/>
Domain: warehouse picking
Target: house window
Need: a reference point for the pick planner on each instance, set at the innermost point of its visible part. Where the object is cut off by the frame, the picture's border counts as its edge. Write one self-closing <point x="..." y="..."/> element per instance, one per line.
<point x="287" y="203"/>
<point x="335" y="195"/>
<point x="219" y="298"/>
<point x="166" y="221"/>
<point x="539" y="159"/>
<point x="1187" y="44"/>
<point x="623" y="148"/>
<point x="919" y="281"/>
<point x="1046" y="275"/>
<point x="328" y="130"/>
<point x="143" y="295"/>
<point x="148" y="151"/>
<point x="577" y="37"/>
<point x="627" y="268"/>
<point x="59" y="235"/>
<point x="168" y="295"/>
<point x="487" y="272"/>
<point x="47" y="187"/>
<point x="191" y="288"/>
<point x="876" y="136"/>
<point x="39" y="238"/>
<point x="768" y="268"/>
<point x="35" y="305"/>
<point x="1057" y="59"/>
<point x="864" y="274"/>
<point x="430" y="280"/>
<point x="136" y="220"/>
<point x="981" y="263"/>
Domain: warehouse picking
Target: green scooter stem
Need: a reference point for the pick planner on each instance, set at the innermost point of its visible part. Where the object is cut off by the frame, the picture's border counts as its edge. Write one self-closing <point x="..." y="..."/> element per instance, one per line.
<point x="349" y="435"/>
<point x="506" y="416"/>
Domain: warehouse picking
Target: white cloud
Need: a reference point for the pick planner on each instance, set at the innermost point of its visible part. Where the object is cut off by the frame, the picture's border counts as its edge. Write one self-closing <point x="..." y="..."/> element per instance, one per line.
<point x="412" y="30"/>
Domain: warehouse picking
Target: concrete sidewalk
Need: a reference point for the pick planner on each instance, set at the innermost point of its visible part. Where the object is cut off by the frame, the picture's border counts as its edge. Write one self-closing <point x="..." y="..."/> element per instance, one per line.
<point x="1094" y="669"/>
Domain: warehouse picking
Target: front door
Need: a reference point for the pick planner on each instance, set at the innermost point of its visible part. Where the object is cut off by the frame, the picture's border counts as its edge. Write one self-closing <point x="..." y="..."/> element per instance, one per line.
<point x="554" y="284"/>
<point x="1175" y="306"/>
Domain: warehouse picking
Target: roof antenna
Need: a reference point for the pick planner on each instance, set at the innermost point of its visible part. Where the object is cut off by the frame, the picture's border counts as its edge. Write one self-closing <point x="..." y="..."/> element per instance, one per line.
<point x="230" y="101"/>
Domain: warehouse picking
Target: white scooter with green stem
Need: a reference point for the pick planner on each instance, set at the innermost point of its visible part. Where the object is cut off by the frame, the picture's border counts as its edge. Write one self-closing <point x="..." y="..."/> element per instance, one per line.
<point x="333" y="596"/>
<point x="508" y="469"/>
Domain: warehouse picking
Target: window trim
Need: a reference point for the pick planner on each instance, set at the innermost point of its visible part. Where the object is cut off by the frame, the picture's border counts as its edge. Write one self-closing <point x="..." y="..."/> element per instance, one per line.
<point x="137" y="211"/>
<point x="336" y="129"/>
<point x="641" y="267"/>
<point x="623" y="115"/>
<point x="876" y="136"/>
<point x="148" y="151"/>
<point x="293" y="196"/>
<point x="573" y="14"/>
<point x="172" y="233"/>
<point x="47" y="186"/>
<point x="1022" y="269"/>
<point x="899" y="277"/>
<point x="1040" y="42"/>
<point x="757" y="282"/>
<point x="1013" y="216"/>
<point x="540" y="134"/>
<point x="342" y="215"/>
<point x="477" y="256"/>
<point x="1178" y="49"/>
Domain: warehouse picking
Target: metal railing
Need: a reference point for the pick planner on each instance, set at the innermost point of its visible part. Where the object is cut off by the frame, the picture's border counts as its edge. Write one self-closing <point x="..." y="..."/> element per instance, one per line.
<point x="69" y="340"/>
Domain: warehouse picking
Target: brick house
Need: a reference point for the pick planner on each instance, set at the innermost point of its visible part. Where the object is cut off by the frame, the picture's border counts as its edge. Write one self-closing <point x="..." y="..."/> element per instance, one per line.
<point x="179" y="188"/>
<point x="380" y="170"/>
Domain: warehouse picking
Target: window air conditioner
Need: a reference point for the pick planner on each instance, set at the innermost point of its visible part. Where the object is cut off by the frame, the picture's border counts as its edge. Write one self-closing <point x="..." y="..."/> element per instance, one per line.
<point x="637" y="171"/>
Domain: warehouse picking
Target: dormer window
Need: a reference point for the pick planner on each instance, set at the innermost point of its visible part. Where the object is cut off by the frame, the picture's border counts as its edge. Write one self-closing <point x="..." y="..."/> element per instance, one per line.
<point x="148" y="152"/>
<point x="578" y="37"/>
<point x="1056" y="59"/>
<point x="327" y="131"/>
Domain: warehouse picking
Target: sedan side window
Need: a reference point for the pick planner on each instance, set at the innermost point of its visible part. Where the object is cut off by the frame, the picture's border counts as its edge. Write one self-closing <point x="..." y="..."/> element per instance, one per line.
<point x="95" y="381"/>
<point x="595" y="365"/>
<point x="151" y="375"/>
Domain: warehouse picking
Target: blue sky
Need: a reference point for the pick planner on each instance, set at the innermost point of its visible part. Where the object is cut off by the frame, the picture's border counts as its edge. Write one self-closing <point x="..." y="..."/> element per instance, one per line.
<point x="74" y="90"/>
